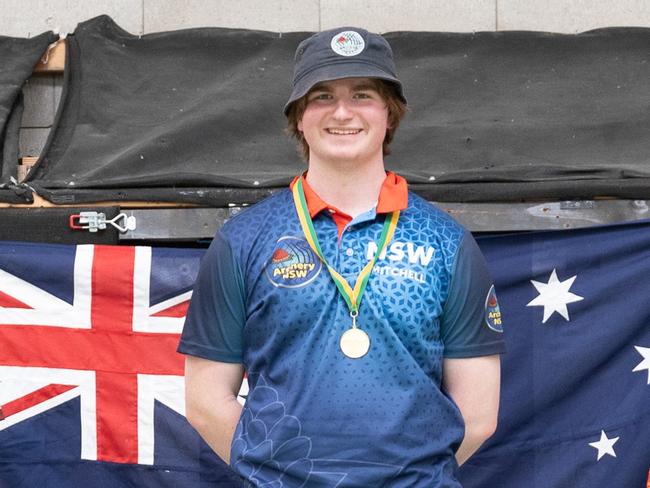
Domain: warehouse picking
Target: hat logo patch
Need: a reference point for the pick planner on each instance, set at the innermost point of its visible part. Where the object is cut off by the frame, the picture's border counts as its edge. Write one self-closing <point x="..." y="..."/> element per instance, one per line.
<point x="348" y="43"/>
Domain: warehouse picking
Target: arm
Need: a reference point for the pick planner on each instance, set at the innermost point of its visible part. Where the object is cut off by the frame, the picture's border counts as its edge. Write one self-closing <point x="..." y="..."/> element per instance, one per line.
<point x="212" y="342"/>
<point x="473" y="384"/>
<point x="211" y="404"/>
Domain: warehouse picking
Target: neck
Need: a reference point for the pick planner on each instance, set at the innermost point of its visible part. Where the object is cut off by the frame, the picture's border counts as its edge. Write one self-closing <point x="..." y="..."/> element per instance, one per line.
<point x="352" y="188"/>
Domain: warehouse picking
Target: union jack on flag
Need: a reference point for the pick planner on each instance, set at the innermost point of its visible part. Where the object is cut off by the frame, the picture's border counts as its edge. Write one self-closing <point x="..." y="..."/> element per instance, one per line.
<point x="88" y="366"/>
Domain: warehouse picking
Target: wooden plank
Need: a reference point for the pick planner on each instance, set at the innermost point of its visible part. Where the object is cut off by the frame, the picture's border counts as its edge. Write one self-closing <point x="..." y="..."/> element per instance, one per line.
<point x="27" y="162"/>
<point x="40" y="202"/>
<point x="53" y="61"/>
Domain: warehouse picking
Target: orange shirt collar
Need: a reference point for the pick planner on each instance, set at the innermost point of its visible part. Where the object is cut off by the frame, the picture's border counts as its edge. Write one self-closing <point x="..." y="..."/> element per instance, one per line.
<point x="393" y="195"/>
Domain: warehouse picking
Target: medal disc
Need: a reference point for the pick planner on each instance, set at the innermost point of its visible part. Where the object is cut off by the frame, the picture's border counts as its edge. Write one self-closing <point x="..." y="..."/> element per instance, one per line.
<point x="355" y="343"/>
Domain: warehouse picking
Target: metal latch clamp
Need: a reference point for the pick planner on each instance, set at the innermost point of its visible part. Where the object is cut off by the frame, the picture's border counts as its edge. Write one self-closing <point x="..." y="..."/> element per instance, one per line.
<point x="95" y="221"/>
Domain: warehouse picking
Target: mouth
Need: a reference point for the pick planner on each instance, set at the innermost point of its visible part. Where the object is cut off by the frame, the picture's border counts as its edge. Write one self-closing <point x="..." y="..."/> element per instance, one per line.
<point x="343" y="132"/>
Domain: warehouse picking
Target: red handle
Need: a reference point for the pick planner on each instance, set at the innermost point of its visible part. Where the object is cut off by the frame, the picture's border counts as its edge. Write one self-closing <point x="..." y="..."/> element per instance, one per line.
<point x="73" y="224"/>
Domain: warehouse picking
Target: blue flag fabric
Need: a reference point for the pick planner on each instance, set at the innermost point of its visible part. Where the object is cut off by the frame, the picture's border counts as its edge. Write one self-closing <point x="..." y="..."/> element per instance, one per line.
<point x="575" y="409"/>
<point x="575" y="380"/>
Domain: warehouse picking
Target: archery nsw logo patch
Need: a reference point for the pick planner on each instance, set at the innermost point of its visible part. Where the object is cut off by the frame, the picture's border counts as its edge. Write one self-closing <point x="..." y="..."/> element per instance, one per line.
<point x="347" y="43"/>
<point x="492" y="311"/>
<point x="293" y="264"/>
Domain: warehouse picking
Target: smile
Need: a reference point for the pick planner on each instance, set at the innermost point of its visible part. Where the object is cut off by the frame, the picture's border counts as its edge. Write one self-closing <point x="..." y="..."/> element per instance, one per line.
<point x="343" y="132"/>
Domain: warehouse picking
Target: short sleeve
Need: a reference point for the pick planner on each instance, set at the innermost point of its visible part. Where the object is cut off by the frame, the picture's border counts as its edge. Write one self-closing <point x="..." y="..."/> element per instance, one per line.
<point x="471" y="323"/>
<point x="217" y="313"/>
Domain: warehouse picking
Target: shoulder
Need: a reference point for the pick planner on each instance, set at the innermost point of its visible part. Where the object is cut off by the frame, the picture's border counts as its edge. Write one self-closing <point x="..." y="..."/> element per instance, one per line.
<point x="419" y="207"/>
<point x="258" y="218"/>
<point x="252" y="233"/>
<point x="424" y="216"/>
<point x="426" y="220"/>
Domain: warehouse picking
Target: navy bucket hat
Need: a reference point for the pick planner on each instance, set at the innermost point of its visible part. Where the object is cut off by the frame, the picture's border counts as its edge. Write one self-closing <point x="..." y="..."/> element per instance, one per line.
<point x="344" y="52"/>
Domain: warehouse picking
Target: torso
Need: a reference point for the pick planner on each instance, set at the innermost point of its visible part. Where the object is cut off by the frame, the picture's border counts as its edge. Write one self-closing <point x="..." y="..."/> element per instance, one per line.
<point x="313" y="412"/>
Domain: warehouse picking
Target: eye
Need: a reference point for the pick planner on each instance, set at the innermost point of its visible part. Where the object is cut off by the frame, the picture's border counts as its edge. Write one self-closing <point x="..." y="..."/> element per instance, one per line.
<point x="320" y="96"/>
<point x="364" y="95"/>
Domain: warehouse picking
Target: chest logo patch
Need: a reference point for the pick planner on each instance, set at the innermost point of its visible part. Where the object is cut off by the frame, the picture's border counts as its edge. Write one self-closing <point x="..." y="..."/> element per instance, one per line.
<point x="492" y="311"/>
<point x="293" y="264"/>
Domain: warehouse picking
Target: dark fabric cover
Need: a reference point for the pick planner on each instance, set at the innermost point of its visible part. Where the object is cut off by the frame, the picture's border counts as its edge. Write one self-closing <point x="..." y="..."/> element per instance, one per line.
<point x="18" y="57"/>
<point x="198" y="108"/>
<point x="513" y="115"/>
<point x="51" y="225"/>
<point x="196" y="115"/>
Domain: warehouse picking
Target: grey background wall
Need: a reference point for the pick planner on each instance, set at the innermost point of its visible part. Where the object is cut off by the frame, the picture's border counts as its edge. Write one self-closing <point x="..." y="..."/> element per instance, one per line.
<point x="25" y="18"/>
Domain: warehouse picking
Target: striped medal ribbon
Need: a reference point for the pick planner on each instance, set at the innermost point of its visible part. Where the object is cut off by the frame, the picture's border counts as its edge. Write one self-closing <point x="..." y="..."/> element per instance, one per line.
<point x="354" y="342"/>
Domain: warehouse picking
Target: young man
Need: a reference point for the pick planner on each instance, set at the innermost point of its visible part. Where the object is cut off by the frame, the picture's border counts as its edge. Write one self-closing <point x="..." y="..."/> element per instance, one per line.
<point x="363" y="316"/>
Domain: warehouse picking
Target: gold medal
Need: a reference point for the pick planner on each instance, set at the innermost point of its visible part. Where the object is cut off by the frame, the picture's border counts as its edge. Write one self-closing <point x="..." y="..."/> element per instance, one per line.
<point x="354" y="343"/>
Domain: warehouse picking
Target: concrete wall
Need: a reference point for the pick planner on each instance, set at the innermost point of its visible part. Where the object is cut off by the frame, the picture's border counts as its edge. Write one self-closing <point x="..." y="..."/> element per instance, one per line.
<point x="24" y="18"/>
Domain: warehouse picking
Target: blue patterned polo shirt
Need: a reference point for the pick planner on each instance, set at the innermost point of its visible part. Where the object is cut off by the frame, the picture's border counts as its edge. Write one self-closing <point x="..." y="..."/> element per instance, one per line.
<point x="313" y="417"/>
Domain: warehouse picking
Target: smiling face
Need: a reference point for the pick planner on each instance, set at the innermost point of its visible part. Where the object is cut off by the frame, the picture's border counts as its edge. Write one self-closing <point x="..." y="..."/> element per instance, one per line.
<point x="345" y="121"/>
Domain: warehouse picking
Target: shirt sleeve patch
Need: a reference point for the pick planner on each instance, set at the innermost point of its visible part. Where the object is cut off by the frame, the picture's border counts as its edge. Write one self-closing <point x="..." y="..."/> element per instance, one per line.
<point x="492" y="311"/>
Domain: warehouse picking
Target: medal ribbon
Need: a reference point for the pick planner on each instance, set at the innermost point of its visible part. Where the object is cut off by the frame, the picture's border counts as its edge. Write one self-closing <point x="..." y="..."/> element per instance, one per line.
<point x="352" y="296"/>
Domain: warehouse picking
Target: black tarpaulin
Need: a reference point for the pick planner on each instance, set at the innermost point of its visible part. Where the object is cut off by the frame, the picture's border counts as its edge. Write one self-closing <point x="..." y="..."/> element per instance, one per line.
<point x="175" y="112"/>
<point x="511" y="115"/>
<point x="18" y="57"/>
<point x="196" y="115"/>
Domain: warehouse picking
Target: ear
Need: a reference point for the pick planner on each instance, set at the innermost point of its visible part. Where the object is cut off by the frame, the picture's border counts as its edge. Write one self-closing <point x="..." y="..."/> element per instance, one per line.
<point x="300" y="125"/>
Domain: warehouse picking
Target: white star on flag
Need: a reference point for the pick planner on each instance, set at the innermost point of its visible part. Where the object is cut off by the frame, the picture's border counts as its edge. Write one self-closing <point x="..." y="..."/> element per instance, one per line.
<point x="645" y="364"/>
<point x="554" y="296"/>
<point x="604" y="445"/>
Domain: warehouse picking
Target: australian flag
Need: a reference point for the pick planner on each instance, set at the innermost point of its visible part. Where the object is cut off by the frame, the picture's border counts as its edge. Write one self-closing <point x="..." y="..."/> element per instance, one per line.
<point x="91" y="386"/>
<point x="575" y="400"/>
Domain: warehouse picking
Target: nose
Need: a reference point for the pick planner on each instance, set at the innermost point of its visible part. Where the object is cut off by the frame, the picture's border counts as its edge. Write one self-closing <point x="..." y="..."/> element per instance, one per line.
<point x="342" y="110"/>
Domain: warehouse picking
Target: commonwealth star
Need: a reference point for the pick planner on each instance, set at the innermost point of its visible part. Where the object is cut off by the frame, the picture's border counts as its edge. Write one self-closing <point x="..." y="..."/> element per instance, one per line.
<point x="554" y="296"/>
